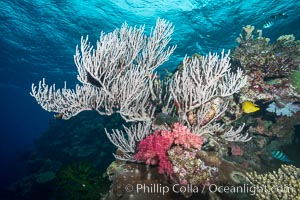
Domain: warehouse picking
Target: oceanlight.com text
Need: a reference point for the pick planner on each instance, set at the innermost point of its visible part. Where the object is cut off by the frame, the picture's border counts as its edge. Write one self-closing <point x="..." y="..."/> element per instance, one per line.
<point x="177" y="188"/>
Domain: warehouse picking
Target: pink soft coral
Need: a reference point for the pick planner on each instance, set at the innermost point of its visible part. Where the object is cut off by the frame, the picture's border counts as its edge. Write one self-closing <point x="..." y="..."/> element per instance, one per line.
<point x="237" y="150"/>
<point x="153" y="149"/>
<point x="181" y="135"/>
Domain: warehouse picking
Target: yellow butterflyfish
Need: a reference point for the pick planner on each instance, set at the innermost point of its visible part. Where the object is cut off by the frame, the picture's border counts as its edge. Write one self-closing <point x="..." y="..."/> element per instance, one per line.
<point x="249" y="107"/>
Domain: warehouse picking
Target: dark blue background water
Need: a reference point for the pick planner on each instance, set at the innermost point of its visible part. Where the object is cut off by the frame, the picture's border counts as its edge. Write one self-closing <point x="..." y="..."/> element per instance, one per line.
<point x="38" y="39"/>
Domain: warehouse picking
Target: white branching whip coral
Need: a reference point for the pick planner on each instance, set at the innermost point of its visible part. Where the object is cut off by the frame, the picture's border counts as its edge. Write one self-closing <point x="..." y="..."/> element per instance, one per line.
<point x="117" y="76"/>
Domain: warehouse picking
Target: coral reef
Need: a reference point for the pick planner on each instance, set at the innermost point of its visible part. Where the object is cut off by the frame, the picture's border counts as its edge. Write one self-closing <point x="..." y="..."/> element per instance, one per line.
<point x="268" y="66"/>
<point x="295" y="77"/>
<point x="139" y="181"/>
<point x="191" y="167"/>
<point x="282" y="184"/>
<point x="189" y="130"/>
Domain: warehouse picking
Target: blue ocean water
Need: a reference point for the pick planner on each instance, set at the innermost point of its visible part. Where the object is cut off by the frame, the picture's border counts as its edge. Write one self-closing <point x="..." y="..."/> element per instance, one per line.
<point x="38" y="39"/>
